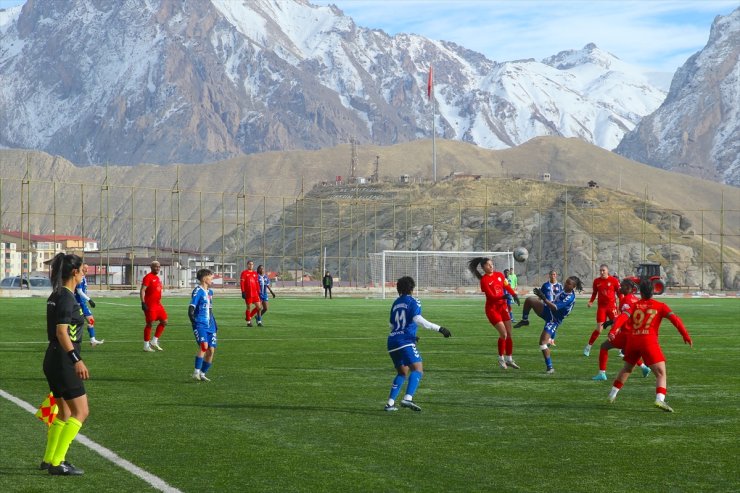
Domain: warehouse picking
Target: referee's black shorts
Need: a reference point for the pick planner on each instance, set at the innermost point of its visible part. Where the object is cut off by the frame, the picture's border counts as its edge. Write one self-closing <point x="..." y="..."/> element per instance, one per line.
<point x="60" y="372"/>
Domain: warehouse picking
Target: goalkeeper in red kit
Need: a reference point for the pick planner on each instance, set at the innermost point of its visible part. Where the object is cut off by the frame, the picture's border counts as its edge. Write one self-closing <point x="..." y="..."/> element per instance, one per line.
<point x="646" y="315"/>
<point x="606" y="287"/>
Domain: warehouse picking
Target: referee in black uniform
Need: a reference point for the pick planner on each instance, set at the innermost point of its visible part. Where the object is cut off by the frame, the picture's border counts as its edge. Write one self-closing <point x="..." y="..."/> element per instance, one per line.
<point x="63" y="365"/>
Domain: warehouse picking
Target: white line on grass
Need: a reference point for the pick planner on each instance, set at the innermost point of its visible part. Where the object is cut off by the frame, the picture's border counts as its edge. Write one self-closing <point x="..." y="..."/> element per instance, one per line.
<point x="116" y="459"/>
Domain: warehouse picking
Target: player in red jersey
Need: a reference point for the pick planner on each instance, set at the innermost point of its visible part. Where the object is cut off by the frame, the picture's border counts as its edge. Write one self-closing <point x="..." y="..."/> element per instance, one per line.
<point x="495" y="286"/>
<point x="646" y="315"/>
<point x="250" y="286"/>
<point x="607" y="289"/>
<point x="627" y="291"/>
<point x="151" y="302"/>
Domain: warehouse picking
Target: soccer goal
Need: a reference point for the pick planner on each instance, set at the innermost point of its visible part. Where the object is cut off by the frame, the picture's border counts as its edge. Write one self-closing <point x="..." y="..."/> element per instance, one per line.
<point x="434" y="272"/>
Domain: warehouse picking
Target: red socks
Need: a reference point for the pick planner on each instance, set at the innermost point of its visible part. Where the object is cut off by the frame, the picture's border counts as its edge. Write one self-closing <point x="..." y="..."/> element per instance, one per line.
<point x="147" y="333"/>
<point x="158" y="332"/>
<point x="509" y="346"/>
<point x="594" y="336"/>
<point x="501" y="346"/>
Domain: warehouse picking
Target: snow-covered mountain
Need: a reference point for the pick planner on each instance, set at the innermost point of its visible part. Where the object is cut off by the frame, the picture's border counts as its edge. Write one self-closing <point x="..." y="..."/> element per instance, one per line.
<point x="697" y="128"/>
<point x="158" y="81"/>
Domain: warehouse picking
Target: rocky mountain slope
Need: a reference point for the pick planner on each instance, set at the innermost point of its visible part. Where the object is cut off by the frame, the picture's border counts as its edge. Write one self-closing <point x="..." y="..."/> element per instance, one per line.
<point x="165" y="81"/>
<point x="597" y="226"/>
<point x="696" y="130"/>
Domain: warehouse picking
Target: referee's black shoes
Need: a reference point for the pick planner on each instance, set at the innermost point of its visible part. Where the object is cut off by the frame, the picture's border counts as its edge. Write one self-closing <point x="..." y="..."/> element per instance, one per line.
<point x="65" y="469"/>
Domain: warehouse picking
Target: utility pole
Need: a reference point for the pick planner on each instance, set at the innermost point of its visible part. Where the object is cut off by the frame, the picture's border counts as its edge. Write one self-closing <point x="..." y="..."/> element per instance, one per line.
<point x="353" y="161"/>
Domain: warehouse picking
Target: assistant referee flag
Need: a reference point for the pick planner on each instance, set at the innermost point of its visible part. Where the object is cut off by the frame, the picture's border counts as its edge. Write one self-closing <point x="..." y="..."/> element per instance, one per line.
<point x="48" y="410"/>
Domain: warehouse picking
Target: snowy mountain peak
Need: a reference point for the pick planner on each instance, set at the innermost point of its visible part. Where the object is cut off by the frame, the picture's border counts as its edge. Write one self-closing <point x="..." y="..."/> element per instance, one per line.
<point x="193" y="81"/>
<point x="724" y="26"/>
<point x="697" y="128"/>
<point x="9" y="16"/>
<point x="589" y="55"/>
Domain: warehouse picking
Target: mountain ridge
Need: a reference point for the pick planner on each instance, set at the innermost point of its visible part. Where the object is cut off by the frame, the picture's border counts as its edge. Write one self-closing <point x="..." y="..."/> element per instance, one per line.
<point x="696" y="130"/>
<point x="199" y="81"/>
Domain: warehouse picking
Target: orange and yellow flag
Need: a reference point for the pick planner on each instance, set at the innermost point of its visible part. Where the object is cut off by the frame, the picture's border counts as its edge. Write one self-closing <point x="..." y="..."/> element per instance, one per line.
<point x="48" y="410"/>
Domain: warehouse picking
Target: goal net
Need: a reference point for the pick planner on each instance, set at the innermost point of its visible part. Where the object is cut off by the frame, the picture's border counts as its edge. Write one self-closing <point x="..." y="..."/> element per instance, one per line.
<point x="434" y="272"/>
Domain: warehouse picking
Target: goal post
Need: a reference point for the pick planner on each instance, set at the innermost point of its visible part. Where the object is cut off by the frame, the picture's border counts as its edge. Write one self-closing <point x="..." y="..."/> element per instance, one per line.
<point x="433" y="271"/>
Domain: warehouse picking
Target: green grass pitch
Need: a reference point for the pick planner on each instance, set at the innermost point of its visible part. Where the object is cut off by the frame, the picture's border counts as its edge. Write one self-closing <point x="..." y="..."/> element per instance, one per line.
<point x="298" y="404"/>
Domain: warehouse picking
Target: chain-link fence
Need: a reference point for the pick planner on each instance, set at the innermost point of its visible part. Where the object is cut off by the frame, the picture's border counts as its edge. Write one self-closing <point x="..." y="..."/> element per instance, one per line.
<point x="336" y="228"/>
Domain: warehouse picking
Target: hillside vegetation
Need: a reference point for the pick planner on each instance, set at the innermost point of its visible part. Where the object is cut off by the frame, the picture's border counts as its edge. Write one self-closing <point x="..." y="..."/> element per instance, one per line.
<point x="571" y="228"/>
<point x="701" y="214"/>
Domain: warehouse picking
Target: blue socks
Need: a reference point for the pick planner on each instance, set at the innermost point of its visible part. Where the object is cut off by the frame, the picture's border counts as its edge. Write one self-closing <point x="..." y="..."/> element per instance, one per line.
<point x="414" y="379"/>
<point x="396" y="387"/>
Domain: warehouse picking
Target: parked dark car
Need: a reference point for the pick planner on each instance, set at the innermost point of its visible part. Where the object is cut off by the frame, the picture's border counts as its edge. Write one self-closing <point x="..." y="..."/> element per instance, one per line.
<point x="33" y="282"/>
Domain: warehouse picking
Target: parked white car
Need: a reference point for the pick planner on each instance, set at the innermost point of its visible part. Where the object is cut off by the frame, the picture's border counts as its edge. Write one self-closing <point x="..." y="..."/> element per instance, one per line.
<point x="33" y="282"/>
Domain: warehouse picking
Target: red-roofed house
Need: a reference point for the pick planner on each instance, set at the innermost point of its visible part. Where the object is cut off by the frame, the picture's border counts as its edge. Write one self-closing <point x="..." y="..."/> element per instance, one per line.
<point x="41" y="247"/>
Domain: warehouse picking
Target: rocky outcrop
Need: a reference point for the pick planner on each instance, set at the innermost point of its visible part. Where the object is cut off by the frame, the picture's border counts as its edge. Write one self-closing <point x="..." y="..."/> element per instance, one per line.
<point x="696" y="130"/>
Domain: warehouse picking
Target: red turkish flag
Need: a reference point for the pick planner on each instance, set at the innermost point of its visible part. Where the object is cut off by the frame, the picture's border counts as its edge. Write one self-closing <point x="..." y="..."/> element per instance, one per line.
<point x="429" y="84"/>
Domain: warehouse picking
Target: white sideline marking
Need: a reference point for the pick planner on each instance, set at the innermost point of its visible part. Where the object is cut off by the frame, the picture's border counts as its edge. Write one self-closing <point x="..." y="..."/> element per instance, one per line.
<point x="116" y="459"/>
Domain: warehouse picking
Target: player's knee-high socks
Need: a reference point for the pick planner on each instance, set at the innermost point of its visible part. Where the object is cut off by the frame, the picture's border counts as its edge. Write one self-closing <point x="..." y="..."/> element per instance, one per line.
<point x="91" y="331"/>
<point x="254" y="312"/>
<point x="501" y="346"/>
<point x="396" y="388"/>
<point x="603" y="359"/>
<point x="414" y="379"/>
<point x="594" y="336"/>
<point x="52" y="438"/>
<point x="147" y="332"/>
<point x="160" y="329"/>
<point x="68" y="433"/>
<point x="509" y="347"/>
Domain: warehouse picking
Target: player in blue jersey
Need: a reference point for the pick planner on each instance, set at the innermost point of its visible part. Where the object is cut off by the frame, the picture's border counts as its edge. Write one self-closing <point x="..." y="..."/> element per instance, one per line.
<point x="552" y="312"/>
<point x="551" y="289"/>
<point x="513" y="280"/>
<point x="405" y="315"/>
<point x="204" y="325"/>
<point x="86" y="303"/>
<point x="264" y="282"/>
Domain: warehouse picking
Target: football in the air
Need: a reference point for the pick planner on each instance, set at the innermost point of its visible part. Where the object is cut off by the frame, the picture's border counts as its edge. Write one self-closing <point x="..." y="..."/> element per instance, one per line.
<point x="520" y="254"/>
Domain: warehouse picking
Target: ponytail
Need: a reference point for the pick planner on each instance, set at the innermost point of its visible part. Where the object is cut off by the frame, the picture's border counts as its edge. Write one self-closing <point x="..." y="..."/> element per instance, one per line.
<point x="61" y="268"/>
<point x="577" y="281"/>
<point x="646" y="289"/>
<point x="473" y="265"/>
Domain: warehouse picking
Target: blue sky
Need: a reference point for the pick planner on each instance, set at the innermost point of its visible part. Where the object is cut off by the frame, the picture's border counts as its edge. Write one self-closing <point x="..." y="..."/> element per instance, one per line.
<point x="658" y="35"/>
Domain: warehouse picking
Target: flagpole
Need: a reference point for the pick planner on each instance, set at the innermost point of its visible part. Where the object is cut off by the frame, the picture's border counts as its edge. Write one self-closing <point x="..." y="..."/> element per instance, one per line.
<point x="434" y="141"/>
<point x="430" y="95"/>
